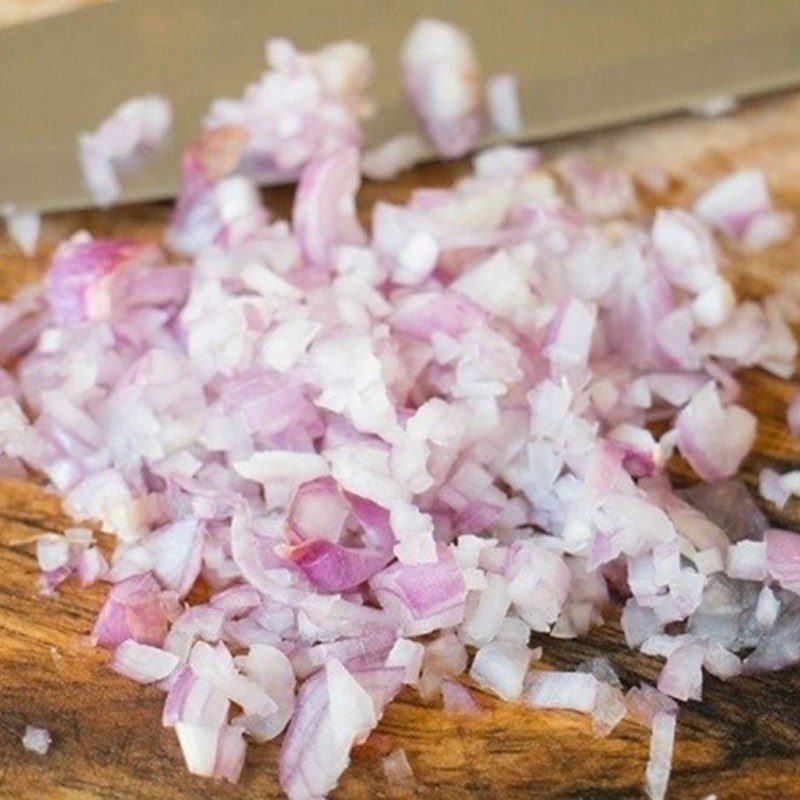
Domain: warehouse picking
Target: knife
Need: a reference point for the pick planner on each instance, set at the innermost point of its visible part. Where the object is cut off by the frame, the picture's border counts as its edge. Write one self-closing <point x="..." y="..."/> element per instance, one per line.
<point x="581" y="65"/>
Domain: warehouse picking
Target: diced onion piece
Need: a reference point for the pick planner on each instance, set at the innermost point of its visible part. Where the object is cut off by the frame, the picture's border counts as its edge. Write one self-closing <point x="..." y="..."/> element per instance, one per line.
<point x="442" y="81"/>
<point x="133" y="129"/>
<point x="397" y="769"/>
<point x="659" y="763"/>
<point x="23" y="227"/>
<point x="501" y="666"/>
<point x="458" y="699"/>
<point x="395" y="155"/>
<point x="143" y="663"/>
<point x="713" y="439"/>
<point x="573" y="691"/>
<point x="37" y="740"/>
<point x="502" y="100"/>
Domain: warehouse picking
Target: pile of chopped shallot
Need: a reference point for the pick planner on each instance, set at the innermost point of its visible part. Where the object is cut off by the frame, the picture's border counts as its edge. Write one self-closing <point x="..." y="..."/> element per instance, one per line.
<point x="392" y="454"/>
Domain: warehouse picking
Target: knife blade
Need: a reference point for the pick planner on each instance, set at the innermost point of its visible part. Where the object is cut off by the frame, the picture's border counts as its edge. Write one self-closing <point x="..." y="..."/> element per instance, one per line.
<point x="581" y="65"/>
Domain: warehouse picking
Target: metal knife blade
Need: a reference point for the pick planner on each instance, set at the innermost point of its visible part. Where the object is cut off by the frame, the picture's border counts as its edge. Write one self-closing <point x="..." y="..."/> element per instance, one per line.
<point x="581" y="64"/>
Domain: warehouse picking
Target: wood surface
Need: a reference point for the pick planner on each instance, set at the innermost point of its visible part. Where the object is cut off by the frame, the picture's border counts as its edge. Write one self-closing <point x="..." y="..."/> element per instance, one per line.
<point x="742" y="741"/>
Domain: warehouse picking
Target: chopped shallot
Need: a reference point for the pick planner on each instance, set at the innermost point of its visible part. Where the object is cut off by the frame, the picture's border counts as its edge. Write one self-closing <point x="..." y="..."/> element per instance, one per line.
<point x="660" y="761"/>
<point x="304" y="106"/>
<point x="458" y="699"/>
<point x="443" y="83"/>
<point x="502" y="100"/>
<point x="23" y="227"/>
<point x="341" y="459"/>
<point x="740" y="206"/>
<point x="37" y="740"/>
<point x="397" y="769"/>
<point x="143" y="663"/>
<point x="394" y="156"/>
<point x="132" y="130"/>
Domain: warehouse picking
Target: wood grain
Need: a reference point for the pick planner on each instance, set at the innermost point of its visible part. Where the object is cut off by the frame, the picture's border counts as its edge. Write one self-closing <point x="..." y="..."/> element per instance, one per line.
<point x="743" y="741"/>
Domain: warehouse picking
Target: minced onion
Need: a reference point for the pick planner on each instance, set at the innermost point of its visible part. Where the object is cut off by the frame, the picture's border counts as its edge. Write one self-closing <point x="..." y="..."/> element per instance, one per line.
<point x="37" y="740"/>
<point x="392" y="454"/>
<point x="23" y="227"/>
<point x="132" y="131"/>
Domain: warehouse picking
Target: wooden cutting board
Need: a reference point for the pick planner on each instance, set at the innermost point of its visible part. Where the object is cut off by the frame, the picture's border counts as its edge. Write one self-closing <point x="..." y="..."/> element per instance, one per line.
<point x="742" y="741"/>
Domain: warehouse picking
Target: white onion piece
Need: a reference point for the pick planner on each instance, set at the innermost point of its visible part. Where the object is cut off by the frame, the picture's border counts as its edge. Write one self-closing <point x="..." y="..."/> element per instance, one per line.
<point x="397" y="769"/>
<point x="682" y="676"/>
<point x="215" y="665"/>
<point x="483" y="622"/>
<point x="442" y="81"/>
<point x="502" y="102"/>
<point x="37" y="740"/>
<point x="685" y="248"/>
<point x="407" y="655"/>
<point x="273" y="671"/>
<point x="305" y="105"/>
<point x="395" y="155"/>
<point x="334" y="712"/>
<point x="772" y="488"/>
<point x="506" y="161"/>
<point x="444" y="657"/>
<point x="767" y="609"/>
<point x="714" y="305"/>
<point x="457" y="699"/>
<point x="597" y="191"/>
<point x="23" y="227"/>
<point x="324" y="213"/>
<point x="638" y="623"/>
<point x="644" y="702"/>
<point x="52" y="552"/>
<point x="791" y="482"/>
<point x="740" y="206"/>
<point x="212" y="752"/>
<point x="747" y="561"/>
<point x="176" y="551"/>
<point x="713" y="439"/>
<point x="194" y="701"/>
<point x="538" y="583"/>
<point x="91" y="566"/>
<point x="424" y="597"/>
<point x="720" y="662"/>
<point x="197" y="622"/>
<point x="782" y="554"/>
<point x="501" y="666"/>
<point x="573" y="691"/>
<point x="609" y="709"/>
<point x="660" y="761"/>
<point x="142" y="663"/>
<point x="130" y="131"/>
<point x="199" y="747"/>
